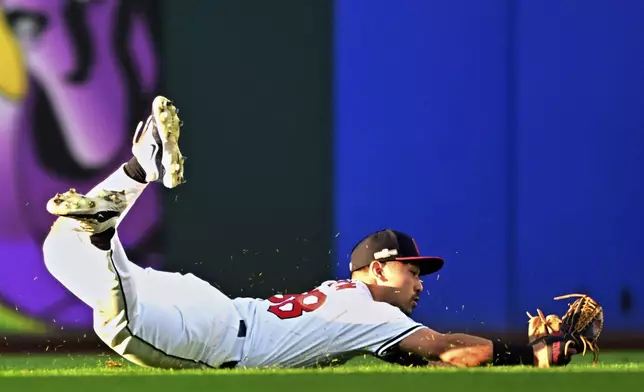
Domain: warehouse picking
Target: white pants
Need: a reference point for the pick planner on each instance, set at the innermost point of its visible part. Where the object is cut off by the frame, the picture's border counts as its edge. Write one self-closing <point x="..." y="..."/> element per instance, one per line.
<point x="152" y="318"/>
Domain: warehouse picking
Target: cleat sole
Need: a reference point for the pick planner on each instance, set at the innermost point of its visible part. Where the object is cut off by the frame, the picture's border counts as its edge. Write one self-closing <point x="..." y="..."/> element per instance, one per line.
<point x="169" y="128"/>
<point x="94" y="214"/>
<point x="72" y="203"/>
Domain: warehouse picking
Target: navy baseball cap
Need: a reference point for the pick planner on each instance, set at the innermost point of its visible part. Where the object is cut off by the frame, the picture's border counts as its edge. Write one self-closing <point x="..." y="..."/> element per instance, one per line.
<point x="392" y="245"/>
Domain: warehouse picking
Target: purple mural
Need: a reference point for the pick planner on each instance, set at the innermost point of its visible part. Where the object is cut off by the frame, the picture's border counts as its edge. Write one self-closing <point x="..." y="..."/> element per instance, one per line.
<point x="78" y="76"/>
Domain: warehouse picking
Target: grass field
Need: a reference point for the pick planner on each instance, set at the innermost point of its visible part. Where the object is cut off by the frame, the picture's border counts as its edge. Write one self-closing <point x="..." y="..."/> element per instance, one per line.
<point x="617" y="371"/>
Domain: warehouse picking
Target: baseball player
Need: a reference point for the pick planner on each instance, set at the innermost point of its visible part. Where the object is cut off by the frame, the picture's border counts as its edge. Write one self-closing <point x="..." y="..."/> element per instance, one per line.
<point x="171" y="320"/>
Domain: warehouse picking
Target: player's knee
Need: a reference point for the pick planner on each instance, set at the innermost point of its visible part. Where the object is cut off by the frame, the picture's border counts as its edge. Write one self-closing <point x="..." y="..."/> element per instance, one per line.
<point x="59" y="245"/>
<point x="51" y="249"/>
<point x="112" y="319"/>
<point x="116" y="335"/>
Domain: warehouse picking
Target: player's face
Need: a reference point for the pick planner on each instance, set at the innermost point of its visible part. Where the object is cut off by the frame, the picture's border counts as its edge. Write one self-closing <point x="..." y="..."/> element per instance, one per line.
<point x="406" y="285"/>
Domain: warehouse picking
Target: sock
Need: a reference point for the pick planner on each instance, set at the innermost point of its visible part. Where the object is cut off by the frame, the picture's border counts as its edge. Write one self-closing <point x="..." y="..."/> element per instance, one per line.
<point x="119" y="180"/>
<point x="134" y="170"/>
<point x="103" y="241"/>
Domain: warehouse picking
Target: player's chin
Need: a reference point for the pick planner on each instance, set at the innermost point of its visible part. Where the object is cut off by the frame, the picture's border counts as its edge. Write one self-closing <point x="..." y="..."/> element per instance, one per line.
<point x="410" y="308"/>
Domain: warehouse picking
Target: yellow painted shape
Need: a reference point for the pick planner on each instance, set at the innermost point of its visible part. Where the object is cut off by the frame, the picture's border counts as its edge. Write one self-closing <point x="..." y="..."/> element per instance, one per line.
<point x="13" y="75"/>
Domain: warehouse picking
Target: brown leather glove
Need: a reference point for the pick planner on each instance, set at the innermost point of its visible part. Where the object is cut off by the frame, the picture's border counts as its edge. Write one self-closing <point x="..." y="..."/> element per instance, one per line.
<point x="584" y="321"/>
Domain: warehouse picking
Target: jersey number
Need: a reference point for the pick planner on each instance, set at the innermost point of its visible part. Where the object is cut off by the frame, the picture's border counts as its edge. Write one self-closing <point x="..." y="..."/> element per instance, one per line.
<point x="295" y="305"/>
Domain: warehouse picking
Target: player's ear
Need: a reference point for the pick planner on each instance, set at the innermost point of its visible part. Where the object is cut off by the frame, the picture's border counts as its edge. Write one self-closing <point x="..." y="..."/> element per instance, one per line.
<point x="377" y="270"/>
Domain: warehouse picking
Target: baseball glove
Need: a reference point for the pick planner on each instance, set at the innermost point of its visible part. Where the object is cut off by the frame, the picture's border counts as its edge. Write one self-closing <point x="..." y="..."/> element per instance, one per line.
<point x="584" y="322"/>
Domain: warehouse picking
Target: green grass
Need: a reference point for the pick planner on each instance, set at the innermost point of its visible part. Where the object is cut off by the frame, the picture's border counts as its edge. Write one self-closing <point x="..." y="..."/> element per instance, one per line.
<point x="617" y="371"/>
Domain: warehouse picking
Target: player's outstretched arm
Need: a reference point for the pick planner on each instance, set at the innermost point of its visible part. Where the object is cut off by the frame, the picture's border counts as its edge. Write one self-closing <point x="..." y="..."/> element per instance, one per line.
<point x="468" y="351"/>
<point x="432" y="345"/>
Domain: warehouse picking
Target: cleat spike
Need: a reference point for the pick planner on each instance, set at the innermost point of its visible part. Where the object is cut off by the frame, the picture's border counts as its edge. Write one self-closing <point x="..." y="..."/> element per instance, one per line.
<point x="84" y="209"/>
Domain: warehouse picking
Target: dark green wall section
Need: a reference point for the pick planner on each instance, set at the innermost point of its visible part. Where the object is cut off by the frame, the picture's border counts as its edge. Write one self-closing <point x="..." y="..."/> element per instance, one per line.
<point x="254" y="91"/>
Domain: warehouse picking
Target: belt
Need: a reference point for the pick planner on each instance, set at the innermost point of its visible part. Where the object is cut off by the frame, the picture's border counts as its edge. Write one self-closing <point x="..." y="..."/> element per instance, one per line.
<point x="241" y="333"/>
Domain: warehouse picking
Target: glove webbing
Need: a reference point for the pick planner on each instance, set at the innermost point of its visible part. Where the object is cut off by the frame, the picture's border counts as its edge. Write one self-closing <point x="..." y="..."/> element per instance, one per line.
<point x="581" y="313"/>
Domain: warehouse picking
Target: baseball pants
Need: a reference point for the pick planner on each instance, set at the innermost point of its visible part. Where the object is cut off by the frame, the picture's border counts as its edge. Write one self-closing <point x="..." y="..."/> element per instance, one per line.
<point x="152" y="318"/>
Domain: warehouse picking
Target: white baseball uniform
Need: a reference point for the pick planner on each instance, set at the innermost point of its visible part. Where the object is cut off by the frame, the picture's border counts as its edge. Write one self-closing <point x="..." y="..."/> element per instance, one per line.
<point x="335" y="321"/>
<point x="171" y="320"/>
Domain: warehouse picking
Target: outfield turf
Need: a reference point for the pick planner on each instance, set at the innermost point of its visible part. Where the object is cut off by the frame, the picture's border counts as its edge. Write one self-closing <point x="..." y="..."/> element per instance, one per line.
<point x="616" y="372"/>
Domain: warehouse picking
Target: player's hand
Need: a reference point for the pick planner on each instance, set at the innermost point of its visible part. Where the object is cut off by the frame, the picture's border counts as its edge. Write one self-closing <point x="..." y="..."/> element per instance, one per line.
<point x="471" y="356"/>
<point x="541" y="325"/>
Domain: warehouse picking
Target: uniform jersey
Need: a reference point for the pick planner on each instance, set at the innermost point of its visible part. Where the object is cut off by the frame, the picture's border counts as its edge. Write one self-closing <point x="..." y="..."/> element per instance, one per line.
<point x="332" y="323"/>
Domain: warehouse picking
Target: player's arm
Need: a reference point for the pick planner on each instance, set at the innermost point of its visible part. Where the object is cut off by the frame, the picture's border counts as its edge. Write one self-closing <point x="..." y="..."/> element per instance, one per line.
<point x="465" y="350"/>
<point x="387" y="332"/>
<point x="392" y="333"/>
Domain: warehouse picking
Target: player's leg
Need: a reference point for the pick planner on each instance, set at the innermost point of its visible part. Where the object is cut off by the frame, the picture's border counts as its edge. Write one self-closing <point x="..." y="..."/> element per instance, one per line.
<point x="102" y="276"/>
<point x="84" y="219"/>
<point x="156" y="156"/>
<point x="84" y="253"/>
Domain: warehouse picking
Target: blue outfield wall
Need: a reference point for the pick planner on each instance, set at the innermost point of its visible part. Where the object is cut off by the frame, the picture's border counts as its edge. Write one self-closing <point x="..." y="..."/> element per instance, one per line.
<point x="506" y="137"/>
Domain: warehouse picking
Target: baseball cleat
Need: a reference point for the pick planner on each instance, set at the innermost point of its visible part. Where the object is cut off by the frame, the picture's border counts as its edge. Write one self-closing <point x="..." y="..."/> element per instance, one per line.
<point x="95" y="214"/>
<point x="156" y="144"/>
